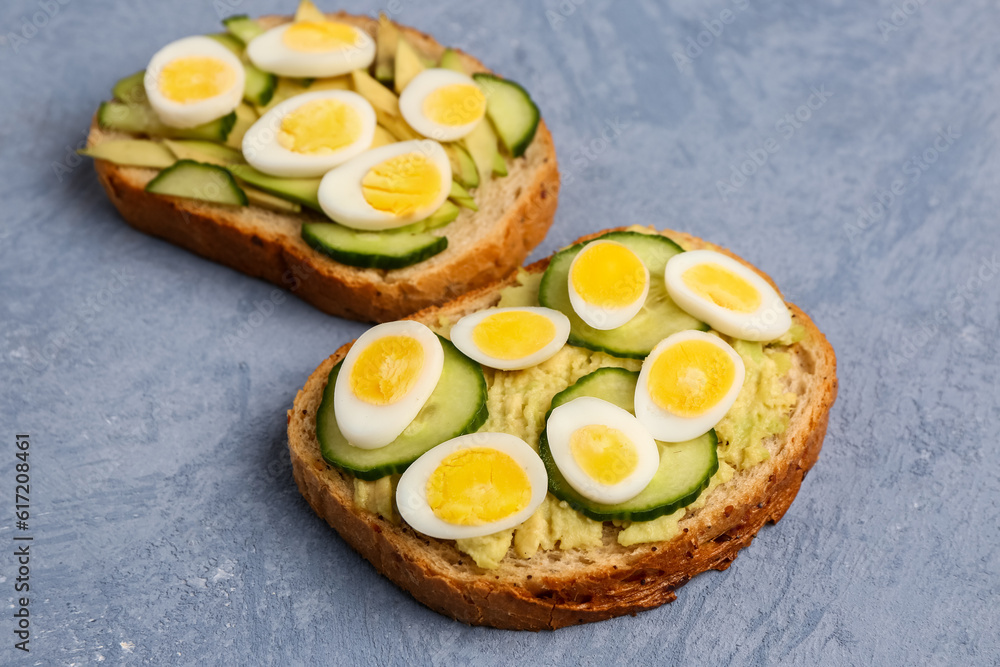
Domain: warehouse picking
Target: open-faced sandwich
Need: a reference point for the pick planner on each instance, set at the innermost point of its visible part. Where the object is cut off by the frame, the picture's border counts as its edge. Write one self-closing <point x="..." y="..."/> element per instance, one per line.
<point x="355" y="161"/>
<point x="572" y="443"/>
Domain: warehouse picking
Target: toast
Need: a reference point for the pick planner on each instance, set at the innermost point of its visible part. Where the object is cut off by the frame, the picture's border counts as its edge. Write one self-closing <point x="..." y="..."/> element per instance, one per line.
<point x="553" y="589"/>
<point x="515" y="212"/>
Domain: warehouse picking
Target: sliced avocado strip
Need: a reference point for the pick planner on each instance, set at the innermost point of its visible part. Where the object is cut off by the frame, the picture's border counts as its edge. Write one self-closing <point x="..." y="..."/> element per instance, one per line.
<point x="452" y="60"/>
<point x="456" y="406"/>
<point x="204" y="151"/>
<point x="264" y="200"/>
<point x="132" y="152"/>
<point x="378" y="250"/>
<point x="245" y="117"/>
<point x="380" y="97"/>
<point x="685" y="470"/>
<point x="659" y="317"/>
<point x="141" y="119"/>
<point x="243" y="28"/>
<point x="408" y="64"/>
<point x="131" y="89"/>
<point x="396" y="126"/>
<point x="385" y="49"/>
<point x="342" y="82"/>
<point x="461" y="196"/>
<point x="499" y="165"/>
<point x="197" y="180"/>
<point x="463" y="168"/>
<point x="383" y="137"/>
<point x="482" y="146"/>
<point x="300" y="190"/>
<point x="307" y="11"/>
<point x="511" y="110"/>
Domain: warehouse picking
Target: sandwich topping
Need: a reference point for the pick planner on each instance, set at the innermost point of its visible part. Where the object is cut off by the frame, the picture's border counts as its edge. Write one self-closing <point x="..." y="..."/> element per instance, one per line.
<point x="596" y="435"/>
<point x="387" y="142"/>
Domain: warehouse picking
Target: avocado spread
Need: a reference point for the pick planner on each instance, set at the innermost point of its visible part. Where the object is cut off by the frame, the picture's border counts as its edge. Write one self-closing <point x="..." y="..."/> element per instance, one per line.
<point x="519" y="400"/>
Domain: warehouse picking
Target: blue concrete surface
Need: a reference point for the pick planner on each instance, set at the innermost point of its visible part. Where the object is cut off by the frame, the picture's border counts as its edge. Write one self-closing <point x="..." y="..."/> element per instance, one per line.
<point x="167" y="526"/>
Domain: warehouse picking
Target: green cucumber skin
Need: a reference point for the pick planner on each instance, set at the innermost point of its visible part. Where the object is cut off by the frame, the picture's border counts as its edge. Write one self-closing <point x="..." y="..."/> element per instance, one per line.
<point x="304" y="190"/>
<point x="190" y="165"/>
<point x="518" y="146"/>
<point x="595" y="384"/>
<point x="372" y="260"/>
<point x="242" y="27"/>
<point x="575" y="338"/>
<point x="397" y="466"/>
<point x="141" y="119"/>
<point x="560" y="488"/>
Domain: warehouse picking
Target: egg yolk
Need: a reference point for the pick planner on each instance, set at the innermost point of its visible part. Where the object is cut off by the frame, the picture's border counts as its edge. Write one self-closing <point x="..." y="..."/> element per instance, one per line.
<point x="604" y="453"/>
<point x="722" y="287"/>
<point x="402" y="185"/>
<point x="455" y="105"/>
<point x="320" y="127"/>
<point x="691" y="377"/>
<point x="387" y="369"/>
<point x="319" y="37"/>
<point x="513" y="334"/>
<point x="195" y="78"/>
<point x="475" y="486"/>
<point x="608" y="274"/>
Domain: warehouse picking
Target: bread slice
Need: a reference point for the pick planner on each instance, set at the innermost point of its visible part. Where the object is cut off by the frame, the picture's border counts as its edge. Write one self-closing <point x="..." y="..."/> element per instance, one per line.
<point x="515" y="213"/>
<point x="559" y="588"/>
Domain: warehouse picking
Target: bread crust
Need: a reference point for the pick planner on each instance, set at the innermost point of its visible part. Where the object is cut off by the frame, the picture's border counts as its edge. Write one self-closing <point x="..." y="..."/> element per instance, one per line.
<point x="483" y="247"/>
<point x="532" y="594"/>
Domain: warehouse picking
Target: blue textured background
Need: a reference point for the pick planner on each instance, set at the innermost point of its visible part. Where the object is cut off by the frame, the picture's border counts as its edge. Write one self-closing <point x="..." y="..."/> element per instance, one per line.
<point x="167" y="526"/>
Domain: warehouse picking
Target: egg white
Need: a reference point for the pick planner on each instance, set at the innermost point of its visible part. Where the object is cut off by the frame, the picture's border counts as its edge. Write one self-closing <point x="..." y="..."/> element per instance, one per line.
<point x="411" y="104"/>
<point x="586" y="411"/>
<point x="263" y="151"/>
<point x="769" y="321"/>
<point x="270" y="53"/>
<point x="461" y="336"/>
<point x="181" y="115"/>
<point x="668" y="427"/>
<point x="341" y="198"/>
<point x="603" y="317"/>
<point x="372" y="426"/>
<point x="411" y="492"/>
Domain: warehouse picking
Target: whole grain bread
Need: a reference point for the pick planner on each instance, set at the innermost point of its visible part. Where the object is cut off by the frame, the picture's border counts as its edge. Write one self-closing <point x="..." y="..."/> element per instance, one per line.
<point x="558" y="588"/>
<point x="515" y="213"/>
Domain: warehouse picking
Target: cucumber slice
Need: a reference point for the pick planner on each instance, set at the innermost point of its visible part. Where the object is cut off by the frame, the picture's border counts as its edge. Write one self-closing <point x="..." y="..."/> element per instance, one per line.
<point x="685" y="467"/>
<point x="229" y="41"/>
<point x="461" y="196"/>
<point x="131" y="89"/>
<point x="132" y="152"/>
<point x="141" y="119"/>
<point x="197" y="180"/>
<point x="511" y="110"/>
<point x="659" y="317"/>
<point x="377" y="250"/>
<point x="259" y="86"/>
<point x="456" y="407"/>
<point x="300" y="190"/>
<point x="243" y="27"/>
